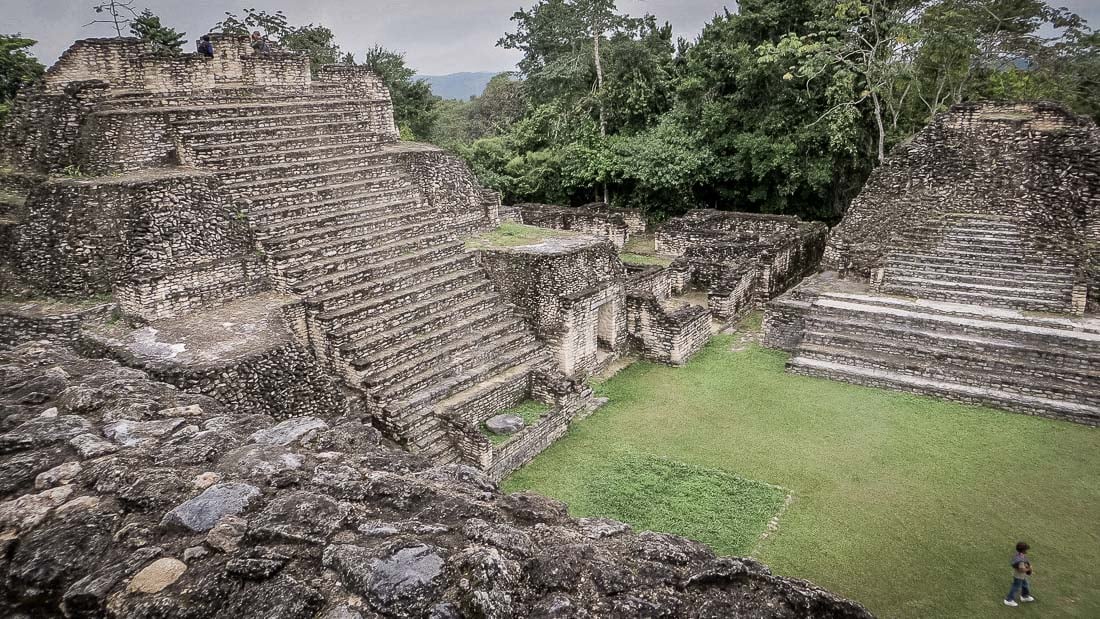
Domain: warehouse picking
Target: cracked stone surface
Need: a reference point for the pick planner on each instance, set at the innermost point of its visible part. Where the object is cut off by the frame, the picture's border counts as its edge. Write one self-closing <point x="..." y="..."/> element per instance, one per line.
<point x="333" y="523"/>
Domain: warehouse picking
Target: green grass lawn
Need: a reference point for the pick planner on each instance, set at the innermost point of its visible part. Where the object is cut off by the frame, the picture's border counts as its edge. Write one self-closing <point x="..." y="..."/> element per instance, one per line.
<point x="907" y="504"/>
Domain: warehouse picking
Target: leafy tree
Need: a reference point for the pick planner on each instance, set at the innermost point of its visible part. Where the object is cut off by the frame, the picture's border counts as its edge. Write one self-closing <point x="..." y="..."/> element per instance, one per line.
<point x="500" y="106"/>
<point x="453" y="125"/>
<point x="147" y="27"/>
<point x="17" y="68"/>
<point x="317" y="42"/>
<point x="272" y="25"/>
<point x="413" y="101"/>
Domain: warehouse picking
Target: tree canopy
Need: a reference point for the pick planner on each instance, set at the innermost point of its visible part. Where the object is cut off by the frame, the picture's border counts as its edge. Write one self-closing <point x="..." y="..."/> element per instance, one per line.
<point x="782" y="107"/>
<point x="17" y="68"/>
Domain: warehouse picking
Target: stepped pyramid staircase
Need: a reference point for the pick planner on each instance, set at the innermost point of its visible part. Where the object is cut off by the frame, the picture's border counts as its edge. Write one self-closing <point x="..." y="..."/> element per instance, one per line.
<point x="972" y="332"/>
<point x="394" y="304"/>
<point x="979" y="259"/>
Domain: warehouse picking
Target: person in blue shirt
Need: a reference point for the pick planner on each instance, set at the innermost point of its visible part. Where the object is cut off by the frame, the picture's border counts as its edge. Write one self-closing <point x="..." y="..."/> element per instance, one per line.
<point x="1021" y="576"/>
<point x="206" y="48"/>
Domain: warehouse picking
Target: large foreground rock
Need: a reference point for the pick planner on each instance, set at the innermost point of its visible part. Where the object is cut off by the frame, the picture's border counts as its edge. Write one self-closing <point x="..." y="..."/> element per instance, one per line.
<point x="134" y="500"/>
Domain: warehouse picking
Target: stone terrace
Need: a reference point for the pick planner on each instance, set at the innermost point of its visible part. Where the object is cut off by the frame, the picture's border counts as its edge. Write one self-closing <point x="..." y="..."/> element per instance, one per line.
<point x="741" y="260"/>
<point x="250" y="176"/>
<point x="970" y="269"/>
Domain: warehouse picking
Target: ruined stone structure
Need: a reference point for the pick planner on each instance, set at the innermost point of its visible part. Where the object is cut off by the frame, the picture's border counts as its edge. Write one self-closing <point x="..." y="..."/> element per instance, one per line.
<point x="741" y="260"/>
<point x="572" y="290"/>
<point x="124" y="497"/>
<point x="617" y="224"/>
<point x="591" y="308"/>
<point x="663" y="329"/>
<point x="179" y="186"/>
<point x="970" y="262"/>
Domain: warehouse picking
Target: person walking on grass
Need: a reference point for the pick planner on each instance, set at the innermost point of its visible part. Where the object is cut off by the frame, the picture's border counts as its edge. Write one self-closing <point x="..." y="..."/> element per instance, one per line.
<point x="1021" y="577"/>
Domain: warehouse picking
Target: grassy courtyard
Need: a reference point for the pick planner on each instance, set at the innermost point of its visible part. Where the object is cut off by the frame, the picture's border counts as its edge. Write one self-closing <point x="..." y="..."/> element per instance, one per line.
<point x="907" y="504"/>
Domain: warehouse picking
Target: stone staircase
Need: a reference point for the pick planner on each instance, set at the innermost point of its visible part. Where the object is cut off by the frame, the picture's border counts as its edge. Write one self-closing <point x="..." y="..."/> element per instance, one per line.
<point x="1045" y="366"/>
<point x="978" y="259"/>
<point x="394" y="304"/>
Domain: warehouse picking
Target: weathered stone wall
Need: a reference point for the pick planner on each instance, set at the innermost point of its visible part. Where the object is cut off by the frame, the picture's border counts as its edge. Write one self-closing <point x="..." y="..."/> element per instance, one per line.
<point x="42" y="133"/>
<point x="115" y="61"/>
<point x="742" y="260"/>
<point x="616" y="224"/>
<point x="570" y="290"/>
<point x="284" y="381"/>
<point x="22" y="322"/>
<point x="667" y="335"/>
<point x="703" y="227"/>
<point x="1033" y="162"/>
<point x="449" y="186"/>
<point x="131" y="234"/>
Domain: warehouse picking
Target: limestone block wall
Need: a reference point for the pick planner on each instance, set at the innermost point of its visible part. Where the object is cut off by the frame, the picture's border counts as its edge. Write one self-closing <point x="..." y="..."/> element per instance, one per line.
<point x="160" y="241"/>
<point x="702" y="227"/>
<point x="1034" y="162"/>
<point x="571" y="292"/>
<point x="448" y="186"/>
<point x="592" y="319"/>
<point x="22" y="322"/>
<point x="666" y="335"/>
<point x="276" y="69"/>
<point x="284" y="381"/>
<point x="119" y="142"/>
<point x="42" y="133"/>
<point x="596" y="219"/>
<point x="114" y="61"/>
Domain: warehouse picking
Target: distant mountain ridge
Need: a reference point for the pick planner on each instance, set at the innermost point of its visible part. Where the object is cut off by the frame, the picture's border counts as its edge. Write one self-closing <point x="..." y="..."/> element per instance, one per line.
<point x="459" y="85"/>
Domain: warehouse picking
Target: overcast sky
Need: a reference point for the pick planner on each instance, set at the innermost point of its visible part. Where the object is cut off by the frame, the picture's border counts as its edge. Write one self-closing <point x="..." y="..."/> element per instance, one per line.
<point x="437" y="36"/>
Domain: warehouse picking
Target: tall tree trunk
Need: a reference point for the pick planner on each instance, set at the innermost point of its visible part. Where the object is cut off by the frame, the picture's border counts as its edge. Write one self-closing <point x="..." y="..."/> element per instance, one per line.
<point x="881" y="128"/>
<point x="599" y="102"/>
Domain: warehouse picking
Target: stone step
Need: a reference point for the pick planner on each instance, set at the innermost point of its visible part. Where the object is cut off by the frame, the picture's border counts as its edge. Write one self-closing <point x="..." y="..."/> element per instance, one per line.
<point x="457" y="378"/>
<point x="229" y="99"/>
<point x="982" y="261"/>
<point x="976" y="371"/>
<point x="1026" y="303"/>
<point x="269" y="116"/>
<point x="424" y="364"/>
<point x="979" y="274"/>
<point x="481" y="402"/>
<point x="378" y="306"/>
<point x="965" y="393"/>
<point x="289" y="258"/>
<point x="896" y="272"/>
<point x="1044" y="354"/>
<point x="300" y="211"/>
<point x="382" y="352"/>
<point x="210" y="138"/>
<point x="260" y="150"/>
<point x="1046" y="292"/>
<point x="319" y="267"/>
<point x="881" y="310"/>
<point x="367" y="213"/>
<point x="316" y="152"/>
<point x="277" y="200"/>
<point x="381" y="226"/>
<point x="375" y="269"/>
<point x="963" y="255"/>
<point x="391" y="284"/>
<point x="292" y="172"/>
<point x="320" y="176"/>
<point x="460" y="299"/>
<point x="430" y="317"/>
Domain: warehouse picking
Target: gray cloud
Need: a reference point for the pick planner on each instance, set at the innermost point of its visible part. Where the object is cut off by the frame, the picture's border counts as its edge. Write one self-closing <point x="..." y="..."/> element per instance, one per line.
<point x="438" y="37"/>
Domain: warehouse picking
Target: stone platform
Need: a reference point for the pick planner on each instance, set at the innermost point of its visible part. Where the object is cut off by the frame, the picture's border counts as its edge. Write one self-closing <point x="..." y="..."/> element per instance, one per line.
<point x="242" y="354"/>
<point x="1021" y="361"/>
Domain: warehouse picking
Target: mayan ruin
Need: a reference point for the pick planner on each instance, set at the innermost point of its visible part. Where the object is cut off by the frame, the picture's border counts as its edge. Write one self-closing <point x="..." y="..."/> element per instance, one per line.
<point x="291" y="328"/>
